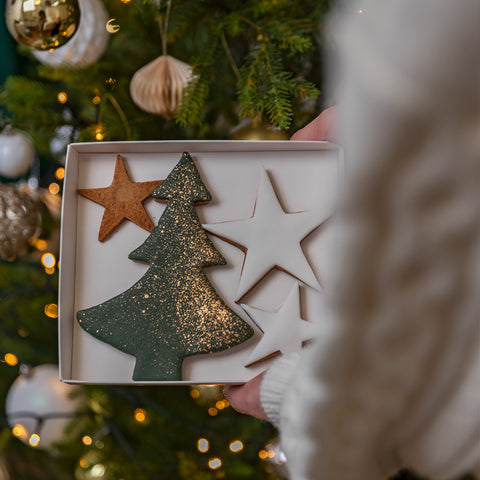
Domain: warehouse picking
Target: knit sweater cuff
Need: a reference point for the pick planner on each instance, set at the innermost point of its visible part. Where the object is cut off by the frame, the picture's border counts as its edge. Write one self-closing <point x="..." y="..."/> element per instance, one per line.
<point x="275" y="383"/>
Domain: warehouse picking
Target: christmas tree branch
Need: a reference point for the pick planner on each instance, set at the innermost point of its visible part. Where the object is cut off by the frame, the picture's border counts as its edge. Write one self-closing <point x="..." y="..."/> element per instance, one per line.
<point x="230" y="58"/>
<point x="121" y="114"/>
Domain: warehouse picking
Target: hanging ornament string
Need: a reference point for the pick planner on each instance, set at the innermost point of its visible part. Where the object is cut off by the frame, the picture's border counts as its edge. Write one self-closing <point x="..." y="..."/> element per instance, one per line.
<point x="164" y="25"/>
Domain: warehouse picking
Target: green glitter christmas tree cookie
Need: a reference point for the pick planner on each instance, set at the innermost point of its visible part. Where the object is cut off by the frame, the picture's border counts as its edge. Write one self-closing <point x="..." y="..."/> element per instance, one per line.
<point x="173" y="311"/>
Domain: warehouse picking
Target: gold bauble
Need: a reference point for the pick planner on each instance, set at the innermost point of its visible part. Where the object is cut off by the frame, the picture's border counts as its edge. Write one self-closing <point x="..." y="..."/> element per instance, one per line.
<point x="158" y="86"/>
<point x="257" y="129"/>
<point x="42" y="24"/>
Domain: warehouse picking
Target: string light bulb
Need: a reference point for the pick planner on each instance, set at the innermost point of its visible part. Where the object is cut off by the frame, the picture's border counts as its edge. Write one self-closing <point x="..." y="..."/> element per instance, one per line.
<point x="214" y="463"/>
<point x="62" y="97"/>
<point x="54" y="188"/>
<point x="10" y="359"/>
<point x="48" y="260"/>
<point x="34" y="440"/>
<point x="203" y="445"/>
<point x="19" y="431"/>
<point x="99" y="135"/>
<point x="194" y="393"/>
<point x="60" y="173"/>
<point x="236" y="446"/>
<point x="140" y="415"/>
<point x="263" y="454"/>
<point x="51" y="310"/>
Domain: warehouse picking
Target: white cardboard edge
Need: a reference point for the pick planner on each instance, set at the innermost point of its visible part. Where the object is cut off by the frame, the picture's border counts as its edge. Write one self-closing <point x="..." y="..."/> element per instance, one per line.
<point x="69" y="223"/>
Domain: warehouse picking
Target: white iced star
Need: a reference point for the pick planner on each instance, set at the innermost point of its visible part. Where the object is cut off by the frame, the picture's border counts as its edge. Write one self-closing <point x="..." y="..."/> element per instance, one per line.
<point x="284" y="331"/>
<point x="272" y="238"/>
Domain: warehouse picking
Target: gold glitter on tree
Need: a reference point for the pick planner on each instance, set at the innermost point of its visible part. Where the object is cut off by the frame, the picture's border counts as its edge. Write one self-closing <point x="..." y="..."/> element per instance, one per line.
<point x="173" y="311"/>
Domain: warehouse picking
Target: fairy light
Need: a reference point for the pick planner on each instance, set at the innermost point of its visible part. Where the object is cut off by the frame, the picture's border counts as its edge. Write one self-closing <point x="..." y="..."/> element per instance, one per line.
<point x="194" y="393"/>
<point x="212" y="411"/>
<point x="87" y="440"/>
<point x="40" y="244"/>
<point x="60" y="173"/>
<point x="221" y="404"/>
<point x="54" y="188"/>
<point x="99" y="135"/>
<point x="83" y="463"/>
<point x="111" y="82"/>
<point x="11" y="359"/>
<point x="140" y="415"/>
<point x="48" y="260"/>
<point x="19" y="431"/>
<point x="263" y="454"/>
<point x="62" y="97"/>
<point x="214" y="463"/>
<point x="96" y="99"/>
<point x="34" y="439"/>
<point x="236" y="446"/>
<point x="203" y="445"/>
<point x="51" y="310"/>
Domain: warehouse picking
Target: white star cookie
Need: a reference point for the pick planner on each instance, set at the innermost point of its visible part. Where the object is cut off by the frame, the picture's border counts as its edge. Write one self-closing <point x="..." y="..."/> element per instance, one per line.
<point x="271" y="238"/>
<point x="284" y="330"/>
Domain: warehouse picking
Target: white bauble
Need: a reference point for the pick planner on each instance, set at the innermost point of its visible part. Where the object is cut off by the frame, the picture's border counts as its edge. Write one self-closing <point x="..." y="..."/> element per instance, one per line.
<point x="38" y="403"/>
<point x="88" y="44"/>
<point x="16" y="153"/>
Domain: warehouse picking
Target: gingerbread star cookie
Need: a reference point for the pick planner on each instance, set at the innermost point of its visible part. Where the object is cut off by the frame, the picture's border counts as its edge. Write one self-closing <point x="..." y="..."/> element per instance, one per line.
<point x="123" y="199"/>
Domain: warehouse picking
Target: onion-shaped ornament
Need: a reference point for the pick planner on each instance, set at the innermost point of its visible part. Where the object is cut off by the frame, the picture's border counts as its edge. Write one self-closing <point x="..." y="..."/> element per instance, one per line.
<point x="158" y="86"/>
<point x="42" y="24"/>
<point x="88" y="44"/>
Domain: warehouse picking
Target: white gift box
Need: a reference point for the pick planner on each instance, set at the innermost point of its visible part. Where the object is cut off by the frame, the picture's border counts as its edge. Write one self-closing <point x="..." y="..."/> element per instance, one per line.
<point x="304" y="177"/>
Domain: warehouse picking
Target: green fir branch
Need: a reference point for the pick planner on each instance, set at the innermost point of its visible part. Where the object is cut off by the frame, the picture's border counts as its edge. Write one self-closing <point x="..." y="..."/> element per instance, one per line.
<point x="265" y="86"/>
<point x="192" y="108"/>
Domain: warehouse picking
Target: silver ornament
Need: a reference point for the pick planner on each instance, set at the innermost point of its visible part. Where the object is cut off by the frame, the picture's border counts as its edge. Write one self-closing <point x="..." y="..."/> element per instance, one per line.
<point x="19" y="220"/>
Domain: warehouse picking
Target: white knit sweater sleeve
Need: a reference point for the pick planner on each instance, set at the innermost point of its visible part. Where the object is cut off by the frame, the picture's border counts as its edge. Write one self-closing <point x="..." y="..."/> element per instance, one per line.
<point x="276" y="383"/>
<point x="398" y="385"/>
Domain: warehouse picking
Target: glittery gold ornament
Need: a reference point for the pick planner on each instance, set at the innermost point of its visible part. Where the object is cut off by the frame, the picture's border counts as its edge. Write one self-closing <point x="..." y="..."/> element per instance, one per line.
<point x="173" y="311"/>
<point x="42" y="24"/>
<point x="258" y="129"/>
<point x="158" y="86"/>
<point x="88" y="44"/>
<point x="19" y="220"/>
